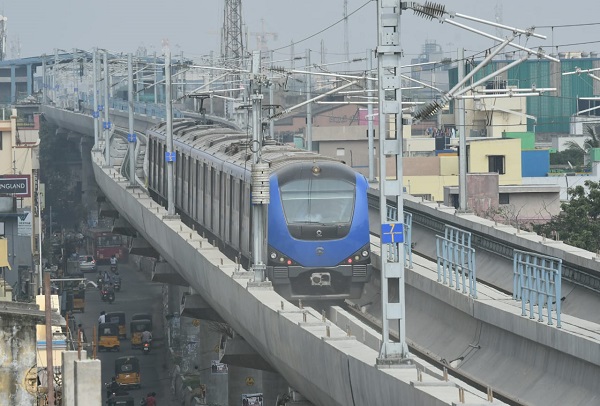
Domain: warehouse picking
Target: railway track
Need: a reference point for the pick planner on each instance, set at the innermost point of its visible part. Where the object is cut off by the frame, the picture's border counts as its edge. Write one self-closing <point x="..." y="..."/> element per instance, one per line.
<point x="425" y="355"/>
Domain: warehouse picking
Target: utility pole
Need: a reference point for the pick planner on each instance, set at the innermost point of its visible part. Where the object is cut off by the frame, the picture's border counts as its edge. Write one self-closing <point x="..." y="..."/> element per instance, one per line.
<point x="155" y="79"/>
<point x="271" y="96"/>
<point x="106" y="124"/>
<point x="308" y="105"/>
<point x="462" y="139"/>
<point x="370" y="129"/>
<point x="44" y="82"/>
<point x="389" y="53"/>
<point x="49" y="363"/>
<point x="131" y="133"/>
<point x="260" y="176"/>
<point x="170" y="153"/>
<point x="346" y="36"/>
<point x="95" y="112"/>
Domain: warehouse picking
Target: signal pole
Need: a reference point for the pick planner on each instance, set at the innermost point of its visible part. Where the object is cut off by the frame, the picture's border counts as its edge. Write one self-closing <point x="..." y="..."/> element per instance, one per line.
<point x="170" y="153"/>
<point x="131" y="133"/>
<point x="389" y="53"/>
<point x="106" y="120"/>
<point x="260" y="176"/>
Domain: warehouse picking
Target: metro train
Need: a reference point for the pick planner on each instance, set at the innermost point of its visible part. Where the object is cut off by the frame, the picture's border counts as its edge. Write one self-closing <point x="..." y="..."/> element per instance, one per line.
<point x="317" y="246"/>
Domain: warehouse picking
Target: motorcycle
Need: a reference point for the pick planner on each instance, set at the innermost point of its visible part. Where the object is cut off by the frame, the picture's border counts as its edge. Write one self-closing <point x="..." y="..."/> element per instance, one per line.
<point x="146" y="348"/>
<point x="113" y="268"/>
<point x="117" y="282"/>
<point x="112" y="390"/>
<point x="100" y="281"/>
<point x="107" y="295"/>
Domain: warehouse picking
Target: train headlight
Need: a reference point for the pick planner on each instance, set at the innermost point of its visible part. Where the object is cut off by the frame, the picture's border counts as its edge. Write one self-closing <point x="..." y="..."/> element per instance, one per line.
<point x="316" y="170"/>
<point x="281" y="259"/>
<point x="365" y="253"/>
<point x="273" y="255"/>
<point x="356" y="258"/>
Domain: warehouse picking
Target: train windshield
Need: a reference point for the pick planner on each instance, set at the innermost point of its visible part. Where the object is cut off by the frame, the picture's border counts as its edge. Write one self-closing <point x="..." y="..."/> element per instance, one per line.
<point x="321" y="201"/>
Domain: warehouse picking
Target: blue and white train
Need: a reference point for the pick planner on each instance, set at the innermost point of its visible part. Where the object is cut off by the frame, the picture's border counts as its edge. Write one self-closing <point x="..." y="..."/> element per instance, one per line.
<point x="318" y="225"/>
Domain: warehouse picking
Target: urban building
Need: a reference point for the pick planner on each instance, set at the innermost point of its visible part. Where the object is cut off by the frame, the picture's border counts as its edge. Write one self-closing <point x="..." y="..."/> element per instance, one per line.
<point x="21" y="197"/>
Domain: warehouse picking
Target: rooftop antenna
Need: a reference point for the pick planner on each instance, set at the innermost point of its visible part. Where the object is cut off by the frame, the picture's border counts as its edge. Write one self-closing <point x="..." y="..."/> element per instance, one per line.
<point x="346" y="39"/>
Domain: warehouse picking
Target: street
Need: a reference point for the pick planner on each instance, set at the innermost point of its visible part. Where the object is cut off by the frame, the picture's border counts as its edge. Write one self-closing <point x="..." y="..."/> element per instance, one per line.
<point x="137" y="295"/>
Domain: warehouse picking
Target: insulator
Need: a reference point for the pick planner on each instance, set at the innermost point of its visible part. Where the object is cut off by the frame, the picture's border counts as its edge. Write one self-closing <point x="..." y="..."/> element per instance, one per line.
<point x="260" y="183"/>
<point x="429" y="10"/>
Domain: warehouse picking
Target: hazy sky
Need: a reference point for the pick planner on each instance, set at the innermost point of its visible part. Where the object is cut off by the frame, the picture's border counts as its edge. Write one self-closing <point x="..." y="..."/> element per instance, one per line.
<point x="193" y="27"/>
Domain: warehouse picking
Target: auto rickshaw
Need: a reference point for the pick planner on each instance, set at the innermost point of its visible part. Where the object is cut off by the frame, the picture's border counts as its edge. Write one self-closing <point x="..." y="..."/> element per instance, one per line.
<point x="136" y="328"/>
<point x="121" y="401"/>
<point x="79" y="299"/>
<point x="108" y="337"/>
<point x="118" y="318"/>
<point x="127" y="372"/>
<point x="142" y="316"/>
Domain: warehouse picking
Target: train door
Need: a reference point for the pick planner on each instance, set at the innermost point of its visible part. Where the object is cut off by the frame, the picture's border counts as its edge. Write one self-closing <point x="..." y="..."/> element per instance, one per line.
<point x="207" y="196"/>
<point x="192" y="188"/>
<point x="216" y="194"/>
<point x="235" y="213"/>
<point x="178" y="177"/>
<point x="200" y="193"/>
<point x="246" y="222"/>
<point x="185" y="183"/>
<point x="226" y="209"/>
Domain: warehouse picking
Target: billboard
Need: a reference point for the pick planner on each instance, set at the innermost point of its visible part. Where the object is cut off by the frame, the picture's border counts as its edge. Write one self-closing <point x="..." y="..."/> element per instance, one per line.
<point x="16" y="185"/>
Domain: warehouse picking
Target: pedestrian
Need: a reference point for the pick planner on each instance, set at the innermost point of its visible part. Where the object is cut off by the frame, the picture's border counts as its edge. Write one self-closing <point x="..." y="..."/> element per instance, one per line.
<point x="102" y="318"/>
<point x="151" y="399"/>
<point x="81" y="333"/>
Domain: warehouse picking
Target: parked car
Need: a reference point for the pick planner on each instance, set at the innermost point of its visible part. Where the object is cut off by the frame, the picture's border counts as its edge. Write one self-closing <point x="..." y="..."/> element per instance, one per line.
<point x="87" y="263"/>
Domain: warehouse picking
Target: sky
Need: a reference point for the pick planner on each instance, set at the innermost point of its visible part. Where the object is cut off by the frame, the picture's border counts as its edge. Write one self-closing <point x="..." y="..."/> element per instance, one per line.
<point x="193" y="27"/>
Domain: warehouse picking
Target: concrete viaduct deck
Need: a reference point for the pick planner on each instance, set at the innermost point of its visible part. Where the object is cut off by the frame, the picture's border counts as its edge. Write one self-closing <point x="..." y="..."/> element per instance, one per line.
<point x="340" y="370"/>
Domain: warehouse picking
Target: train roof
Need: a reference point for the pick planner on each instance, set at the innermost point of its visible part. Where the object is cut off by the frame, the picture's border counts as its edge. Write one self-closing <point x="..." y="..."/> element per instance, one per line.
<point x="214" y="143"/>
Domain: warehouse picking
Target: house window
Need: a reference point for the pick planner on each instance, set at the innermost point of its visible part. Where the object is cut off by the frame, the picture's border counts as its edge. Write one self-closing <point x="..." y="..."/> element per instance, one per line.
<point x="496" y="164"/>
<point x="340" y="152"/>
<point x="503" y="198"/>
<point x="1" y="135"/>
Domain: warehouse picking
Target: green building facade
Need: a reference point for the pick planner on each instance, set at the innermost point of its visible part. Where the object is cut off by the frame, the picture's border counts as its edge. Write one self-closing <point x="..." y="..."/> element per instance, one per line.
<point x="552" y="109"/>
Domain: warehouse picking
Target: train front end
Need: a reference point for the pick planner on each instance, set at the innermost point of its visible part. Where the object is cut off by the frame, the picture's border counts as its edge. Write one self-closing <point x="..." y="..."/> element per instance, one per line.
<point x="318" y="241"/>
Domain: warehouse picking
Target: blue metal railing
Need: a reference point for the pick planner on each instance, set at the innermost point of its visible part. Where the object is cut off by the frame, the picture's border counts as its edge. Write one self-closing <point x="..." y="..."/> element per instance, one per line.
<point x="537" y="281"/>
<point x="456" y="260"/>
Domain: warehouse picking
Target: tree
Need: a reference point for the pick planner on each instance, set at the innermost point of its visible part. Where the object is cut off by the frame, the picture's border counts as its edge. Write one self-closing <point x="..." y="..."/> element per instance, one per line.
<point x="593" y="141"/>
<point x="578" y="224"/>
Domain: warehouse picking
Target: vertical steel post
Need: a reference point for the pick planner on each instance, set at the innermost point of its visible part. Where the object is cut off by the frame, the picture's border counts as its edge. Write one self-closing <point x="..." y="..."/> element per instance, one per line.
<point x="462" y="139"/>
<point x="49" y="363"/>
<point x="131" y="134"/>
<point x="170" y="150"/>
<point x="389" y="54"/>
<point x="155" y="79"/>
<point x="210" y="77"/>
<point x="308" y="105"/>
<point x="271" y="96"/>
<point x="106" y="108"/>
<point x="371" y="133"/>
<point x="44" y="81"/>
<point x="95" y="112"/>
<point x="258" y="209"/>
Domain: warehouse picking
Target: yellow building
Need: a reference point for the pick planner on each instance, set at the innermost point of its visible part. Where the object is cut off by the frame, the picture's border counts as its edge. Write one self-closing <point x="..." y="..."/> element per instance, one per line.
<point x="427" y="176"/>
<point x="19" y="146"/>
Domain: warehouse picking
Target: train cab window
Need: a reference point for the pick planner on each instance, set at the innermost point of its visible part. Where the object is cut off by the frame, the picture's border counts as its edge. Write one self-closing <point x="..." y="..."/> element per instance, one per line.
<point x="322" y="201"/>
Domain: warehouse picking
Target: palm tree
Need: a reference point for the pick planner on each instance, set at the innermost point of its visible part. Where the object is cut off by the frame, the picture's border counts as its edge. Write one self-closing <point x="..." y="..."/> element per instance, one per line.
<point x="593" y="141"/>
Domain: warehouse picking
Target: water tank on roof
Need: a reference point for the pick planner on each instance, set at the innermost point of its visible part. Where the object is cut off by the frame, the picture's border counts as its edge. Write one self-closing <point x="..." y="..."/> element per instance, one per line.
<point x="593" y="54"/>
<point x="562" y="55"/>
<point x="584" y="54"/>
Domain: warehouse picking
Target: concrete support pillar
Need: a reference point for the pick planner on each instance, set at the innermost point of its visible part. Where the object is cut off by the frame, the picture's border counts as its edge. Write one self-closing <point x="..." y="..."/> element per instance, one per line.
<point x="215" y="379"/>
<point x="243" y="381"/>
<point x="88" y="383"/>
<point x="68" y="374"/>
<point x="273" y="385"/>
<point x="13" y="84"/>
<point x="29" y="80"/>
<point x="189" y="340"/>
<point x="88" y="182"/>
